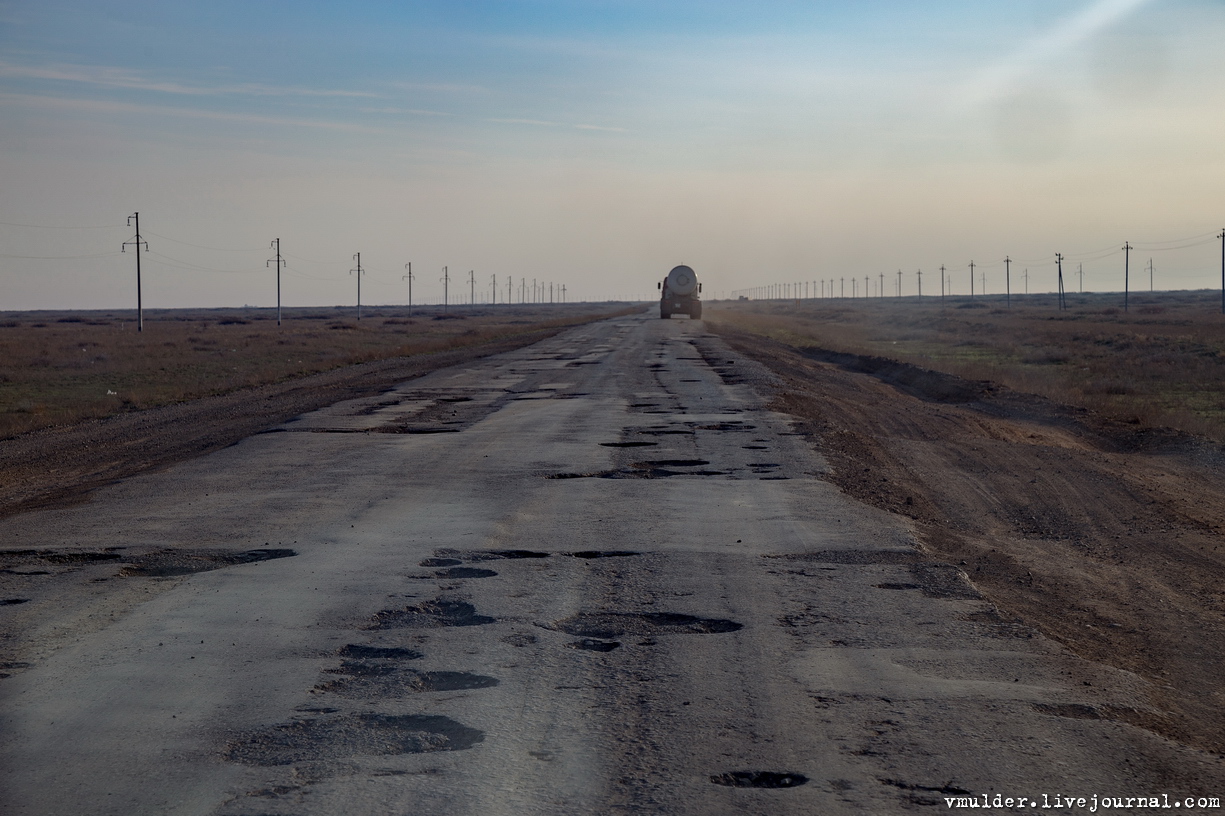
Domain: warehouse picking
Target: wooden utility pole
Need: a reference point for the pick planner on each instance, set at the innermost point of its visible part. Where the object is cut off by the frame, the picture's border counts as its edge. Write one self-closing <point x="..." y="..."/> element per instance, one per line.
<point x="1008" y="281"/>
<point x="919" y="274"/>
<point x="971" y="279"/>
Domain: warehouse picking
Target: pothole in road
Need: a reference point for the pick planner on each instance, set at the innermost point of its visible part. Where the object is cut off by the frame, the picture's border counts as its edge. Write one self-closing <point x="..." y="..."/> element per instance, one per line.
<point x="494" y="555"/>
<point x="727" y="426"/>
<point x="13" y="601"/>
<point x="754" y="447"/>
<point x="672" y="463"/>
<point x="465" y="572"/>
<point x="628" y="444"/>
<point x="897" y="586"/>
<point x="168" y="563"/>
<point x="379" y="652"/>
<point x="440" y="562"/>
<point x="602" y="553"/>
<point x="589" y="645"/>
<point x="759" y="779"/>
<point x="609" y="625"/>
<point x="431" y="614"/>
<point x="352" y="735"/>
<point x="382" y="680"/>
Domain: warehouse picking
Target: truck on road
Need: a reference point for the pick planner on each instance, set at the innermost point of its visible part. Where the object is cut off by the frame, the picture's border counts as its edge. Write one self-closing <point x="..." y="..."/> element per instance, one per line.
<point x="678" y="294"/>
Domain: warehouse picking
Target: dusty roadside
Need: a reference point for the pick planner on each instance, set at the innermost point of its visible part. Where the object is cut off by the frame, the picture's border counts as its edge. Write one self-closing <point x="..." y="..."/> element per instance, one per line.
<point x="62" y="464"/>
<point x="1106" y="537"/>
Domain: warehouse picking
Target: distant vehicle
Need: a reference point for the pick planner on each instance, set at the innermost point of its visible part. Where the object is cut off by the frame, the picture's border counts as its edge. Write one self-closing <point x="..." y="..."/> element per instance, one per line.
<point x="678" y="294"/>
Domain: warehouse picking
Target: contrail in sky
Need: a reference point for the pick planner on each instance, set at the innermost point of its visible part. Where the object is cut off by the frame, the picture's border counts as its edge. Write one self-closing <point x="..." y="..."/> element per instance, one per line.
<point x="998" y="78"/>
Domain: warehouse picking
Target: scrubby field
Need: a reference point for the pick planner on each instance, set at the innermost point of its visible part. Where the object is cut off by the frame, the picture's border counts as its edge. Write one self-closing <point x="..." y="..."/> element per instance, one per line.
<point x="1160" y="363"/>
<point x="61" y="367"/>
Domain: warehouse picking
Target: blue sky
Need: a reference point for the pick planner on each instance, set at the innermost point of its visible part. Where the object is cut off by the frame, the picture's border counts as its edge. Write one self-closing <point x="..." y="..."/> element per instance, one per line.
<point x="600" y="143"/>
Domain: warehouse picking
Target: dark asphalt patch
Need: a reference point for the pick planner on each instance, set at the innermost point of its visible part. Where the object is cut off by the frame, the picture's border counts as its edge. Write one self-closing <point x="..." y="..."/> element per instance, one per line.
<point x="430" y="615"/>
<point x="853" y="557"/>
<point x="759" y="779"/>
<point x="167" y="563"/>
<point x="351" y="735"/>
<point x="589" y="645"/>
<point x="465" y="572"/>
<point x="609" y="625"/>
<point x="353" y="650"/>
<point x="602" y="553"/>
<point x="388" y="679"/>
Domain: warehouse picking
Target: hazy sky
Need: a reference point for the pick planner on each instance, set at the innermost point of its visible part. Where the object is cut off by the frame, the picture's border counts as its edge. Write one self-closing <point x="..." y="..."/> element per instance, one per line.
<point x="597" y="144"/>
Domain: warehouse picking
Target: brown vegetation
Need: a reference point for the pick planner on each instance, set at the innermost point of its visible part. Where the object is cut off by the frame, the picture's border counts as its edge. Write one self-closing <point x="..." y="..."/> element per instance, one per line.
<point x="1161" y="363"/>
<point x="58" y="368"/>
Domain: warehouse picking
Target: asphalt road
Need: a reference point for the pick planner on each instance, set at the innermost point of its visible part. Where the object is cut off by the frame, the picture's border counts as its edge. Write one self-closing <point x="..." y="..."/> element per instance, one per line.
<point x="595" y="575"/>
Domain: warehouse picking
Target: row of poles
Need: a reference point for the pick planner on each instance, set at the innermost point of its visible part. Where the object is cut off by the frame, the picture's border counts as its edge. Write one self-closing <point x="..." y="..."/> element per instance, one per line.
<point x="801" y="289"/>
<point x="538" y="289"/>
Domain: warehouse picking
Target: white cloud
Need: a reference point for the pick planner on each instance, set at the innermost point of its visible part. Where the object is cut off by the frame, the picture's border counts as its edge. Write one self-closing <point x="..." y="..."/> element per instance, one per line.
<point x="113" y="77"/>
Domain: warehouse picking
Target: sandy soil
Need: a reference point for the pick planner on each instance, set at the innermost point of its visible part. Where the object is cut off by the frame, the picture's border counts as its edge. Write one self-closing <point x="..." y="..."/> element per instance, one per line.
<point x="1105" y="536"/>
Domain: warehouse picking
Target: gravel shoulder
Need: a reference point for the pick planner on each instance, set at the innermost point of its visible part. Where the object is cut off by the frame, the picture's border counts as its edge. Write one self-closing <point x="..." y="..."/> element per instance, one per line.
<point x="1105" y="536"/>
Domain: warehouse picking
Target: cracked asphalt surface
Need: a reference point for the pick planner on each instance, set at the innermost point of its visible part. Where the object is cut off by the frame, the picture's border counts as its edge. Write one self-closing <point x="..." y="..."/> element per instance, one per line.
<point x="593" y="575"/>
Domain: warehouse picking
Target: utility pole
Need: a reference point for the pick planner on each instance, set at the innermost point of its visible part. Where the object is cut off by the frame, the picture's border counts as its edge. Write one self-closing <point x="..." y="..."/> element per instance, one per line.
<point x="941" y="284"/>
<point x="1008" y="281"/>
<point x="279" y="261"/>
<point x="1126" y="281"/>
<point x="446" y="283"/>
<point x="899" y="283"/>
<point x="137" y="242"/>
<point x="841" y="287"/>
<point x="1026" y="276"/>
<point x="358" y="270"/>
<point x="494" y="288"/>
<point x="563" y="293"/>
<point x="920" y="276"/>
<point x="1222" y="237"/>
<point x="510" y="289"/>
<point x="865" y="285"/>
<point x="971" y="279"/>
<point x="472" y="287"/>
<point x="854" y="287"/>
<point x="1059" y="266"/>
<point x="982" y="278"/>
<point x="409" y="278"/>
<point x="1150" y="275"/>
<point x="1080" y="272"/>
<point x="880" y="292"/>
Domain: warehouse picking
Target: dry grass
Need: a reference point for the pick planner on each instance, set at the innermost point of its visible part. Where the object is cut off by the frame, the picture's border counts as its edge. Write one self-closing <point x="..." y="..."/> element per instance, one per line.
<point x="62" y="367"/>
<point x="1161" y="363"/>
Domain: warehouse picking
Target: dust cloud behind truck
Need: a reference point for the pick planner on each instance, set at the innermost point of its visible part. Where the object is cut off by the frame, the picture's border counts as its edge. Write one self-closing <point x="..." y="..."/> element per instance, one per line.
<point x="678" y="294"/>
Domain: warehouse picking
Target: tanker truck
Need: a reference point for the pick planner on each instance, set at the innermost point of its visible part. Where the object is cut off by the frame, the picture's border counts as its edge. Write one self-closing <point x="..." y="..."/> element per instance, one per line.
<point x="678" y="293"/>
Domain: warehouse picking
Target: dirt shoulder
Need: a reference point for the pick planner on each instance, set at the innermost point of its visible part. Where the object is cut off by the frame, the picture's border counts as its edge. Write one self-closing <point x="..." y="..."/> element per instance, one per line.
<point x="1105" y="536"/>
<point x="61" y="465"/>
